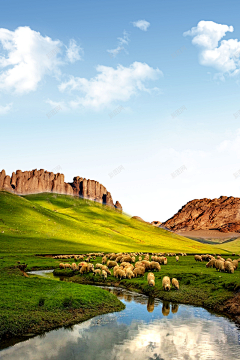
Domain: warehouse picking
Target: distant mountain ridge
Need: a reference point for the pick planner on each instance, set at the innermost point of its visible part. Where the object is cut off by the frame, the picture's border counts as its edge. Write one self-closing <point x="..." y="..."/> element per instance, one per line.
<point x="222" y="214"/>
<point x="40" y="181"/>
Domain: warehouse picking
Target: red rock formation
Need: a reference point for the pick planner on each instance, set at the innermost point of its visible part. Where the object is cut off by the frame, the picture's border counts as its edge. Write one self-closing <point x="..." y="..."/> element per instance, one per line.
<point x="118" y="205"/>
<point x="156" y="223"/>
<point x="39" y="181"/>
<point x="221" y="214"/>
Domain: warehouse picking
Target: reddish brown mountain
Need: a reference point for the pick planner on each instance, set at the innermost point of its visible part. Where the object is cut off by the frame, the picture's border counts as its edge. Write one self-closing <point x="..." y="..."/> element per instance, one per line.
<point x="39" y="181"/>
<point x="221" y="214"/>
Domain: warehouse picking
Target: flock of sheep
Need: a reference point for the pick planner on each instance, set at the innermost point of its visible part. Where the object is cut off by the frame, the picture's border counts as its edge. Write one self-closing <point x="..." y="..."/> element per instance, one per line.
<point x="123" y="266"/>
<point x="219" y="263"/>
<point x="133" y="265"/>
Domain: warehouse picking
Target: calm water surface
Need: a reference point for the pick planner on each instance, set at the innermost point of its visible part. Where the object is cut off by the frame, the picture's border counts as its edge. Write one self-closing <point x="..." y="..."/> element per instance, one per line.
<point x="146" y="329"/>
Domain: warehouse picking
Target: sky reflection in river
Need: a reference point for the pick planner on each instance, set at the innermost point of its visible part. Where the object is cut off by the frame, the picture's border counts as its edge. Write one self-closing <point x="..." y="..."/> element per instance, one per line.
<point x="146" y="329"/>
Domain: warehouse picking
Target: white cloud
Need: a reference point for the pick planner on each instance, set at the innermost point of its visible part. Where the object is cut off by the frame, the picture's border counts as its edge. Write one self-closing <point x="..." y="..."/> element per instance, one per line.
<point x="111" y="85"/>
<point x="74" y="51"/>
<point x="141" y="24"/>
<point x="28" y="57"/>
<point x="223" y="57"/>
<point x="55" y="104"/>
<point x="5" y="109"/>
<point x="121" y="42"/>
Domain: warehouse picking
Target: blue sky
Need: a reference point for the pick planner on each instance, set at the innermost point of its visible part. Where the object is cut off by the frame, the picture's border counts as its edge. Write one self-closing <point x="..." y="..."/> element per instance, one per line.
<point x="158" y="98"/>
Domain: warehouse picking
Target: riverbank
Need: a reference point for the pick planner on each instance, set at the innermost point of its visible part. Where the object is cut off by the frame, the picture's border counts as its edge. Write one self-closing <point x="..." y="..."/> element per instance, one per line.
<point x="199" y="286"/>
<point x="31" y="305"/>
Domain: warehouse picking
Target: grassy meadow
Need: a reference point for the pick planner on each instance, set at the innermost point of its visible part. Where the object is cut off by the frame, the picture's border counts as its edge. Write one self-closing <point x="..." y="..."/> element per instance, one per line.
<point x="55" y="224"/>
<point x="198" y="285"/>
<point x="59" y="224"/>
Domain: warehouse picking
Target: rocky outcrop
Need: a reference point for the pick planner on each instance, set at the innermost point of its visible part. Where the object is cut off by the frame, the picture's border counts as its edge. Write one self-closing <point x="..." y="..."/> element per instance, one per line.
<point x="39" y="181"/>
<point x="156" y="223"/>
<point x="221" y="214"/>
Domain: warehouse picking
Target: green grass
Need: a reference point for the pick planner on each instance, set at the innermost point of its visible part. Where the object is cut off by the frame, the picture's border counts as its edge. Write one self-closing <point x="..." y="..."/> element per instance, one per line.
<point x="232" y="246"/>
<point x="51" y="223"/>
<point x="198" y="285"/>
<point x="59" y="224"/>
<point x="34" y="305"/>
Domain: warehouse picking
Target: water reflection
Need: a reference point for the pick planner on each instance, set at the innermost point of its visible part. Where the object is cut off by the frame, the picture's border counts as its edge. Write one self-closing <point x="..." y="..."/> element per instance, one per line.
<point x="142" y="331"/>
<point x="150" y="304"/>
<point x="174" y="308"/>
<point x="166" y="308"/>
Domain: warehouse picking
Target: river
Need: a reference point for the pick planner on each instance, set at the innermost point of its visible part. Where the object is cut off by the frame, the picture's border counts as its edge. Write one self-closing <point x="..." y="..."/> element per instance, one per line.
<point x="148" y="329"/>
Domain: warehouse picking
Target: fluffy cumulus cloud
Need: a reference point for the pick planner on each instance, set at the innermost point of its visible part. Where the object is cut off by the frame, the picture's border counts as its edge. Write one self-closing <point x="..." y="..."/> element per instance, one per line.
<point x="5" y="109"/>
<point x="122" y="42"/>
<point x="74" y="51"/>
<point x="141" y="24"/>
<point x="224" y="56"/>
<point x="27" y="56"/>
<point x="111" y="85"/>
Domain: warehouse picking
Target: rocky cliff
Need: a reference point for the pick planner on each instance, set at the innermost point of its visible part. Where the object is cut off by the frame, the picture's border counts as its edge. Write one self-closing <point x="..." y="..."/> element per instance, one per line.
<point x="221" y="214"/>
<point x="39" y="181"/>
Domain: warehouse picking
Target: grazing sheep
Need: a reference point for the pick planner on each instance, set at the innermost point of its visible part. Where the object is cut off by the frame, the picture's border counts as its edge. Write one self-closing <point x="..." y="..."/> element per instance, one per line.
<point x="105" y="268"/>
<point x="146" y="264"/>
<point x="219" y="264"/>
<point x="140" y="258"/>
<point x="82" y="264"/>
<point x="166" y="283"/>
<point x="154" y="265"/>
<point x="74" y="267"/>
<point x="126" y="259"/>
<point x="175" y="283"/>
<point x="235" y="264"/>
<point x="67" y="266"/>
<point x="84" y="269"/>
<point x="206" y="257"/>
<point x="177" y="258"/>
<point x="139" y="271"/>
<point x="139" y="264"/>
<point x="62" y="266"/>
<point x="90" y="267"/>
<point x="162" y="260"/>
<point x="228" y="266"/>
<point x="104" y="260"/>
<point x="111" y="264"/>
<point x="118" y="259"/>
<point x="115" y="269"/>
<point x="151" y="279"/>
<point x="104" y="275"/>
<point x="120" y="274"/>
<point x="126" y="264"/>
<point x="198" y="258"/>
<point x="97" y="272"/>
<point x="98" y="266"/>
<point x="211" y="263"/>
<point x="129" y="273"/>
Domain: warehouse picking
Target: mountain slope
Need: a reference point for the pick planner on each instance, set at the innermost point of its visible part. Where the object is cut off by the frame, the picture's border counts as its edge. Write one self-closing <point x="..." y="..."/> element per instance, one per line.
<point x="52" y="223"/>
<point x="217" y="214"/>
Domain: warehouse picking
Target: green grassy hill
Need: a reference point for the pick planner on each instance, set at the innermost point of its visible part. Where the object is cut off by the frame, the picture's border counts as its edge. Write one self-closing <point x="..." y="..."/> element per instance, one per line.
<point x="232" y="246"/>
<point x="52" y="224"/>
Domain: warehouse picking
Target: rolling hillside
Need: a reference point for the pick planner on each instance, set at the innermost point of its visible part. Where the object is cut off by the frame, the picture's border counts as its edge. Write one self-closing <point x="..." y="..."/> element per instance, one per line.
<point x="232" y="246"/>
<point x="52" y="224"/>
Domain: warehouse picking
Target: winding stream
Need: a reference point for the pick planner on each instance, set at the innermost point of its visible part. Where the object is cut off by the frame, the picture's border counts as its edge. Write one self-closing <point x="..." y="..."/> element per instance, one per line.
<point x="148" y="329"/>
